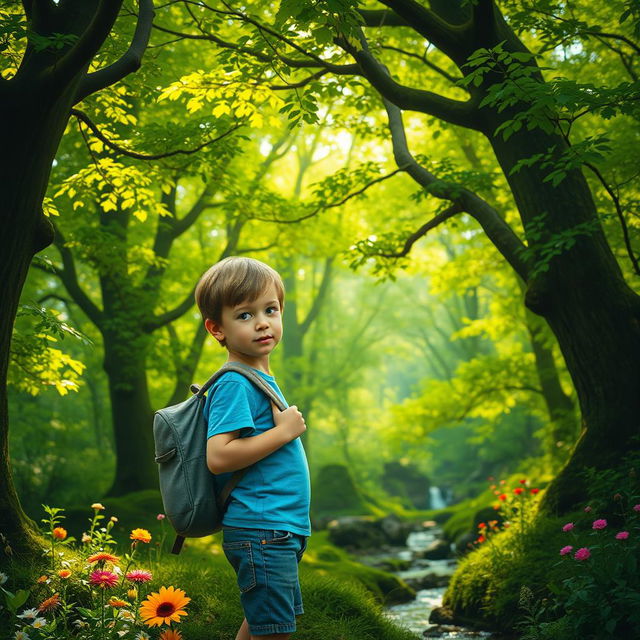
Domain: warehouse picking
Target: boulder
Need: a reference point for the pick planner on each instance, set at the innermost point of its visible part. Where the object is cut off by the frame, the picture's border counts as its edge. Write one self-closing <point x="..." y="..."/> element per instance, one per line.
<point x="430" y="581"/>
<point x="355" y="532"/>
<point x="366" y="532"/>
<point x="437" y="550"/>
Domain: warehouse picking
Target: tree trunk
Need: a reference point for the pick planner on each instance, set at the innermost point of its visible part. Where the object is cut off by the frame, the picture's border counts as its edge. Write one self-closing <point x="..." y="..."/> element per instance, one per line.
<point x="125" y="365"/>
<point x="564" y="426"/>
<point x="29" y="122"/>
<point x="590" y="308"/>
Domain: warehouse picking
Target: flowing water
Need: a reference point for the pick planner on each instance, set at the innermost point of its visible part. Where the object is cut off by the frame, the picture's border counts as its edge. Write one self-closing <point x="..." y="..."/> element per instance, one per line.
<point x="414" y="615"/>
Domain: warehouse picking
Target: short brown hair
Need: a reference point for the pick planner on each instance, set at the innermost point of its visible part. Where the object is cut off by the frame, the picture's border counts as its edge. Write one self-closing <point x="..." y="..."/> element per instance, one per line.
<point x="232" y="281"/>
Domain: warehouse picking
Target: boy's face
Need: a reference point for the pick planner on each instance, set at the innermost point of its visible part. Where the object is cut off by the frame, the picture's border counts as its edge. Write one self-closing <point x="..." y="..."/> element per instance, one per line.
<point x="251" y="329"/>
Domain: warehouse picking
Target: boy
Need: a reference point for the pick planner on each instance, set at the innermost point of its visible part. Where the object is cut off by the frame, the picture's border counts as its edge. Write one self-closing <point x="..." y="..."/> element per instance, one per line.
<point x="266" y="524"/>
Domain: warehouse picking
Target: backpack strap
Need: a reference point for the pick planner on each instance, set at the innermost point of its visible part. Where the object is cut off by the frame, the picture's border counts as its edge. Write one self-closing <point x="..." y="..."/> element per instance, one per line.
<point x="249" y="373"/>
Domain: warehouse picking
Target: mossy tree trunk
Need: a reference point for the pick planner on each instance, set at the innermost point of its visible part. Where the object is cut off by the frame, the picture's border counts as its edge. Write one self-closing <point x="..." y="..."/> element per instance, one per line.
<point x="34" y="109"/>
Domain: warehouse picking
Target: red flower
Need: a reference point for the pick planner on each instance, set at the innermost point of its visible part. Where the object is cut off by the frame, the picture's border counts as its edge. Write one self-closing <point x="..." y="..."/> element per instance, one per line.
<point x="534" y="491"/>
<point x="103" y="579"/>
<point x="502" y="496"/>
<point x="523" y="481"/>
<point x="518" y="490"/>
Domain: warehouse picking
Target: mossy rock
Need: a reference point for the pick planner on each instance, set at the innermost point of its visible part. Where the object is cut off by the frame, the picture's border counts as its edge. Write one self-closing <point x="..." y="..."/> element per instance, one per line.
<point x="406" y="481"/>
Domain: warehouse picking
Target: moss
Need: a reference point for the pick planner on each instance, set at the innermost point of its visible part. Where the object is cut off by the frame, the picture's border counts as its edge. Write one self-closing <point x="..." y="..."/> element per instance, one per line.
<point x="486" y="585"/>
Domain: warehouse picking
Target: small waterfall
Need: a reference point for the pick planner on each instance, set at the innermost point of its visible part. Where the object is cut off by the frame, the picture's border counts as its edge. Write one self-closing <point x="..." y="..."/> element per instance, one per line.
<point x="436" y="498"/>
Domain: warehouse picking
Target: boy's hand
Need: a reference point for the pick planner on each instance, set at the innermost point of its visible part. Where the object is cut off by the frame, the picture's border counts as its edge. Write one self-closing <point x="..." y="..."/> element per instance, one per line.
<point x="290" y="421"/>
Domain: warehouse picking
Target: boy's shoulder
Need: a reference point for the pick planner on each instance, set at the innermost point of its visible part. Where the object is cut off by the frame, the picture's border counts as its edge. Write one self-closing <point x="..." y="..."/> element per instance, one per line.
<point x="233" y="376"/>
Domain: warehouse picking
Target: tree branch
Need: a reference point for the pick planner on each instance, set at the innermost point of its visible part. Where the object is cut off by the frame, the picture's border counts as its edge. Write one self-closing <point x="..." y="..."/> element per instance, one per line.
<point x="456" y="112"/>
<point x="497" y="230"/>
<point x="449" y="212"/>
<point x="296" y="63"/>
<point x="129" y="62"/>
<point x="69" y="277"/>
<point x="382" y="18"/>
<point x="88" y="44"/>
<point x="165" y="318"/>
<point x="80" y="115"/>
<point x="425" y="61"/>
<point x="317" y="210"/>
<point x="449" y="38"/>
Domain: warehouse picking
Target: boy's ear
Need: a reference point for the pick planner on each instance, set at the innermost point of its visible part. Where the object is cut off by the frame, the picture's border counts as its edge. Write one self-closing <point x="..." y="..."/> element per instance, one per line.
<point x="214" y="329"/>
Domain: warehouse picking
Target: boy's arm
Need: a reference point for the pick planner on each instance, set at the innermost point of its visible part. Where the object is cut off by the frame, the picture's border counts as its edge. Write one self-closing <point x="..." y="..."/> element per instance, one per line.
<point x="227" y="452"/>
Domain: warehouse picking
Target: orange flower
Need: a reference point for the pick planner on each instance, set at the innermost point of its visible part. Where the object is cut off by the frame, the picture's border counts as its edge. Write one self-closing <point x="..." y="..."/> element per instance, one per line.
<point x="164" y="606"/>
<point x="170" y="634"/>
<point x="117" y="603"/>
<point x="64" y="573"/>
<point x="103" y="557"/>
<point x="141" y="535"/>
<point x="42" y="579"/>
<point x="59" y="533"/>
<point x="49" y="604"/>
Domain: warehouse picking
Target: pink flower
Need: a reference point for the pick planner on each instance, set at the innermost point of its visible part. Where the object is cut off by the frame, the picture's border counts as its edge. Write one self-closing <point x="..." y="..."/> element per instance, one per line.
<point x="599" y="524"/>
<point x="582" y="554"/>
<point x="565" y="550"/>
<point x="622" y="535"/>
<point x="160" y="516"/>
<point x="139" y="575"/>
<point x="104" y="579"/>
<point x="636" y="507"/>
<point x="568" y="526"/>
<point x="587" y="509"/>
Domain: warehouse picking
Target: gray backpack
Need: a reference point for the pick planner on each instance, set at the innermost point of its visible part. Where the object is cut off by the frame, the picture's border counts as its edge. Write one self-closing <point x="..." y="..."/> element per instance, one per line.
<point x="191" y="503"/>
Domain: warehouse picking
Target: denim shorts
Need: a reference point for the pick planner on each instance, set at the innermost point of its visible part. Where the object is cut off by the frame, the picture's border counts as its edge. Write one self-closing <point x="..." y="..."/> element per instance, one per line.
<point x="266" y="564"/>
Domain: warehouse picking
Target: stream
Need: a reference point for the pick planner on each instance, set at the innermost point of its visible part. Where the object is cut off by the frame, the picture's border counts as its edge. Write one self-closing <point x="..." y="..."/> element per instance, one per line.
<point x="414" y="615"/>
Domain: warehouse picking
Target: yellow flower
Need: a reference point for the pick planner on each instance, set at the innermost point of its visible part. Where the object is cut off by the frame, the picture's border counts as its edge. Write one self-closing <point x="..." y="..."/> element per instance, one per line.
<point x="142" y="535"/>
<point x="86" y="537"/>
<point x="59" y="533"/>
<point x="97" y="506"/>
<point x="170" y="634"/>
<point x="164" y="606"/>
<point x="117" y="603"/>
<point x="132" y="594"/>
<point x="64" y="573"/>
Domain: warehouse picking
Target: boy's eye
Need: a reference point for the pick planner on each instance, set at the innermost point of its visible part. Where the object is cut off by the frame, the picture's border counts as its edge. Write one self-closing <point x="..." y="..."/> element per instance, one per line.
<point x="244" y="315"/>
<point x="272" y="309"/>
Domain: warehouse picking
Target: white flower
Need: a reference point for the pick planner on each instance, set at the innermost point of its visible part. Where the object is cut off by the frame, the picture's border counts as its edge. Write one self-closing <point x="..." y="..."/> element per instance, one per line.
<point x="3" y="577"/>
<point x="39" y="622"/>
<point x="21" y="635"/>
<point x="143" y="636"/>
<point x="125" y="614"/>
<point x="28" y="614"/>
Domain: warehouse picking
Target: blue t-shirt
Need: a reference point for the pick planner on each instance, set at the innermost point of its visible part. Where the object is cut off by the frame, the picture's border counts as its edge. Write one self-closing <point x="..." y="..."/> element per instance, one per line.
<point x="275" y="492"/>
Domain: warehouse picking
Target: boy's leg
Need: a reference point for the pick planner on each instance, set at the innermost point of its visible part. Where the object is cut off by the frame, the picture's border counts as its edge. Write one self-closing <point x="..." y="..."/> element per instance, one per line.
<point x="243" y="631"/>
<point x="273" y="636"/>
